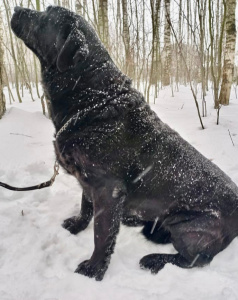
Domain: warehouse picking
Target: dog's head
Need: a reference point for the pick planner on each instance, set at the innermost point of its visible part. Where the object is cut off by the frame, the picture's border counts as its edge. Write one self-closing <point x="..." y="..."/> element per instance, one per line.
<point x="57" y="36"/>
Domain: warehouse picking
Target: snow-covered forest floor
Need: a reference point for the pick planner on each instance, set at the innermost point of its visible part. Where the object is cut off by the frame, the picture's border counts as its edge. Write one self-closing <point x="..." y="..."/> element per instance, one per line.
<point x="38" y="257"/>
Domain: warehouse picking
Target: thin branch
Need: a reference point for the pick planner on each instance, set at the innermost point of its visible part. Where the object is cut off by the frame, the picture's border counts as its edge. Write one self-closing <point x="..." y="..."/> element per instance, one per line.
<point x="188" y="73"/>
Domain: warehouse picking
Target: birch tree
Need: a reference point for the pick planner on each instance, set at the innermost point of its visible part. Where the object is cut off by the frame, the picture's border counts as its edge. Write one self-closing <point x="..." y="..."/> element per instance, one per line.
<point x="38" y="5"/>
<point x="103" y="21"/>
<point x="155" y="14"/>
<point x="7" y="9"/>
<point x="126" y="39"/>
<point x="2" y="100"/>
<point x="229" y="56"/>
<point x="84" y="7"/>
<point x="167" y="46"/>
<point x="215" y="56"/>
<point x="155" y="17"/>
<point x="78" y="7"/>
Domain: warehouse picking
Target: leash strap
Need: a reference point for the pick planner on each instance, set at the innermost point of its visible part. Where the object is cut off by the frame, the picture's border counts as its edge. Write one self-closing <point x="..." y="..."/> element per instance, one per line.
<point x="34" y="187"/>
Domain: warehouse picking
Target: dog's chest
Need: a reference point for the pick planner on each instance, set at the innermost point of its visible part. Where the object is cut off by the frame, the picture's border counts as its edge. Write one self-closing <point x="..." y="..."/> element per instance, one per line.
<point x="67" y="162"/>
<point x="75" y="165"/>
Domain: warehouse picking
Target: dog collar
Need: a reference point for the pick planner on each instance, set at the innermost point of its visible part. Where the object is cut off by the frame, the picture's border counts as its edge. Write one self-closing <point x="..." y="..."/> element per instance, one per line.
<point x="79" y="116"/>
<point x="64" y="127"/>
<point x="83" y="114"/>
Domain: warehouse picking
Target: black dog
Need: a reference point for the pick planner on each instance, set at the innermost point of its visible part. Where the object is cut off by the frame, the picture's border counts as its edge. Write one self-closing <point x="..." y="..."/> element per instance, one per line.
<point x="131" y="166"/>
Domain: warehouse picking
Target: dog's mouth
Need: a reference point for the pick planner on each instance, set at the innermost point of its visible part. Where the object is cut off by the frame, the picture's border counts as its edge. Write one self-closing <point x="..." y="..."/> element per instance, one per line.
<point x="21" y="22"/>
<point x="16" y="21"/>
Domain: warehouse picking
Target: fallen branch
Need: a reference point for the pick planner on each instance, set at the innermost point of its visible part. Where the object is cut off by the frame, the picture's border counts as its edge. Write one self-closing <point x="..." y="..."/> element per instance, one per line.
<point x="231" y="137"/>
<point x="20" y="134"/>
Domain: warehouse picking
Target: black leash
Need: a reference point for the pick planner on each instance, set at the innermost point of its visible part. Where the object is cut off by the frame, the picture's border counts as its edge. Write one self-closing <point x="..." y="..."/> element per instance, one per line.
<point x="34" y="187"/>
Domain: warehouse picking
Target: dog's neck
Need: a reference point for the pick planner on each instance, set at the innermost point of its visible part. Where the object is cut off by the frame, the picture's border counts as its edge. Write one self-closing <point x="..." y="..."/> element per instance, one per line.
<point x="83" y="91"/>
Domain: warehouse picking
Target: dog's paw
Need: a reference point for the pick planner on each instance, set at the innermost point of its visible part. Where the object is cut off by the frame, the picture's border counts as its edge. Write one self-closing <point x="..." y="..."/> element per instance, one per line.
<point x="75" y="224"/>
<point x="92" y="270"/>
<point x="153" y="262"/>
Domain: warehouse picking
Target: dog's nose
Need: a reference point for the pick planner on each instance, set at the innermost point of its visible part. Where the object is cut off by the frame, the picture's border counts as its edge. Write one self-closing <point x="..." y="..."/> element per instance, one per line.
<point x="17" y="8"/>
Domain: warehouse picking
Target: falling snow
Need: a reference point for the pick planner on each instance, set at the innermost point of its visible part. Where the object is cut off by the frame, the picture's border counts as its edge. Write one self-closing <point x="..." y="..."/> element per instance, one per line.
<point x="38" y="257"/>
<point x="142" y="174"/>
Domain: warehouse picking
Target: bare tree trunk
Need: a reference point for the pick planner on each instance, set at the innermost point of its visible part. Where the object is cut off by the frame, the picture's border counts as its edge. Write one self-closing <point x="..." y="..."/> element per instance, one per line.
<point x="2" y="99"/>
<point x="201" y="5"/>
<point x="13" y="52"/>
<point x="137" y="49"/>
<point x="95" y="16"/>
<point x="155" y="15"/>
<point x="229" y="57"/>
<point x="103" y="22"/>
<point x="179" y="62"/>
<point x="155" y="41"/>
<point x="34" y="59"/>
<point x="11" y="97"/>
<point x="188" y="41"/>
<point x="143" y="45"/>
<point x="85" y="6"/>
<point x="126" y="40"/>
<point x="215" y="68"/>
<point x="167" y="47"/>
<point x="78" y="7"/>
<point x="38" y="5"/>
<point x="65" y="3"/>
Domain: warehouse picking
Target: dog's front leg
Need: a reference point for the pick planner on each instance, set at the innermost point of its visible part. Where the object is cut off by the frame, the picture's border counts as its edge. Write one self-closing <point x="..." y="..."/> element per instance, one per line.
<point x="76" y="224"/>
<point x="107" y="203"/>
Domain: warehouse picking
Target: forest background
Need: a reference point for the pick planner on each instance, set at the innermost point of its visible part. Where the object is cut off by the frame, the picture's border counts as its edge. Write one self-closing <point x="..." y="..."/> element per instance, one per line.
<point x="157" y="43"/>
<point x="181" y="55"/>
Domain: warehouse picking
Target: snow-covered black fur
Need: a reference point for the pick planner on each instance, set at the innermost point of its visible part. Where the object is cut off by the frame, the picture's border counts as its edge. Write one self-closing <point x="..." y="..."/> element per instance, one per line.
<point x="132" y="167"/>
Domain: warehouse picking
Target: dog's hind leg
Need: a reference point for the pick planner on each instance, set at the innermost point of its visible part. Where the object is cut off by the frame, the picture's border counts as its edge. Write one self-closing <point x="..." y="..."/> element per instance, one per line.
<point x="156" y="262"/>
<point x="108" y="197"/>
<point x="78" y="223"/>
<point x="197" y="242"/>
<point x="192" y="255"/>
<point x="155" y="232"/>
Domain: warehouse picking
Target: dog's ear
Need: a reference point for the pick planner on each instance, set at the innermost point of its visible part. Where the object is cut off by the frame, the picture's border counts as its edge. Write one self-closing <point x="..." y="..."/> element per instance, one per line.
<point x="72" y="50"/>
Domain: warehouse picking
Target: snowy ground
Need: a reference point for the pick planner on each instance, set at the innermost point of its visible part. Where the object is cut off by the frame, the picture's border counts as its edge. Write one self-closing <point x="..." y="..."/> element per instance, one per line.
<point x="38" y="257"/>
